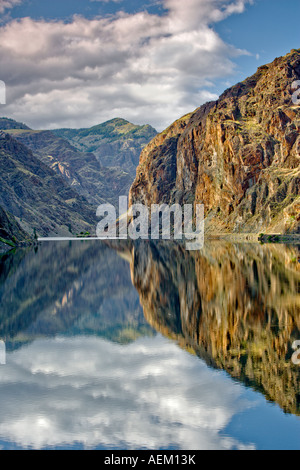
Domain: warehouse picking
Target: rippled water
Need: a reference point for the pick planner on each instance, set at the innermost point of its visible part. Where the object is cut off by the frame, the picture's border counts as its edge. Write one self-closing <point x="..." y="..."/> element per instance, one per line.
<point x="148" y="346"/>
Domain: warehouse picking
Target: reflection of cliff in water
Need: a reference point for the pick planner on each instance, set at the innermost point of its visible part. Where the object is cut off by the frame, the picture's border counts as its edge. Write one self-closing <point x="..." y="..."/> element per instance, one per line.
<point x="236" y="306"/>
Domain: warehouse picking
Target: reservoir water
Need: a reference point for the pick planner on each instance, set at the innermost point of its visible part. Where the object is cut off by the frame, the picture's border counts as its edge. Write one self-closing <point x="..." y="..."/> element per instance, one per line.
<point x="148" y="346"/>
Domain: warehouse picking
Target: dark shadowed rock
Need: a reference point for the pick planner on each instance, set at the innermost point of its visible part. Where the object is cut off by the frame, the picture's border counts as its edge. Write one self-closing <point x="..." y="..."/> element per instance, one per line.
<point x="11" y="234"/>
<point x="40" y="199"/>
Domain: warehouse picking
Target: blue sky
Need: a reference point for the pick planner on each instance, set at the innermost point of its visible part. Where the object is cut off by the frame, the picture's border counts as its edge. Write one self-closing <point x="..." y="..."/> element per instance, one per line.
<point x="269" y="28"/>
<point x="65" y="9"/>
<point x="75" y="63"/>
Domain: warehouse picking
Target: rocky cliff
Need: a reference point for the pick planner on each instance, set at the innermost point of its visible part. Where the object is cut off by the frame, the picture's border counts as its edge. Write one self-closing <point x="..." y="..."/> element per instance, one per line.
<point x="239" y="156"/>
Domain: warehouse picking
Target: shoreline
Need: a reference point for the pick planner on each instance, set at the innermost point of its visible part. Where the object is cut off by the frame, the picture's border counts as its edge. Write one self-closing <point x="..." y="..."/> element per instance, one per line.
<point x="234" y="238"/>
<point x="255" y="238"/>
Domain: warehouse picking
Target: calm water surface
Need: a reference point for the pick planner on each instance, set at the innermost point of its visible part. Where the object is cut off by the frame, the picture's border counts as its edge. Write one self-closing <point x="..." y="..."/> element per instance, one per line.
<point x="149" y="347"/>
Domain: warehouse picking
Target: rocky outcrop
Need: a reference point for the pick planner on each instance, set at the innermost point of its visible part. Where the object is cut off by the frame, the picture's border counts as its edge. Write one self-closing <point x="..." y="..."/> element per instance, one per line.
<point x="239" y="156"/>
<point x="235" y="306"/>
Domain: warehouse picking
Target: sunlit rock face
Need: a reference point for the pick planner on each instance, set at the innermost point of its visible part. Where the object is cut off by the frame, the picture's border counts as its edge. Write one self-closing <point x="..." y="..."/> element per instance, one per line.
<point x="236" y="306"/>
<point x="239" y="156"/>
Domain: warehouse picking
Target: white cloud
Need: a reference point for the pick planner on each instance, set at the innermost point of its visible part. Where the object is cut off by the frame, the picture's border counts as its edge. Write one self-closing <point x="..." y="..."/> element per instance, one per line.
<point x="92" y="392"/>
<point x="143" y="67"/>
<point x="6" y="4"/>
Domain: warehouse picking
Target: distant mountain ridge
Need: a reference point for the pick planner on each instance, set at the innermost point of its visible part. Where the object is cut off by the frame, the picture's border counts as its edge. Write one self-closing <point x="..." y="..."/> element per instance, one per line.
<point x="81" y="170"/>
<point x="114" y="143"/>
<point x="8" y="124"/>
<point x="54" y="188"/>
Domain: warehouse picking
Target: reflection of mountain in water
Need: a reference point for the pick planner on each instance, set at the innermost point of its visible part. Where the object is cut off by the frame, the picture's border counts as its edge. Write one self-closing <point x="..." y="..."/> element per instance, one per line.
<point x="238" y="307"/>
<point x="79" y="288"/>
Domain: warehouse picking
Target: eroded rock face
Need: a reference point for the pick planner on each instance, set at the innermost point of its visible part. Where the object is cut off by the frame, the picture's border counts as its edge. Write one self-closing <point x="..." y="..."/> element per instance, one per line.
<point x="239" y="156"/>
<point x="236" y="306"/>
